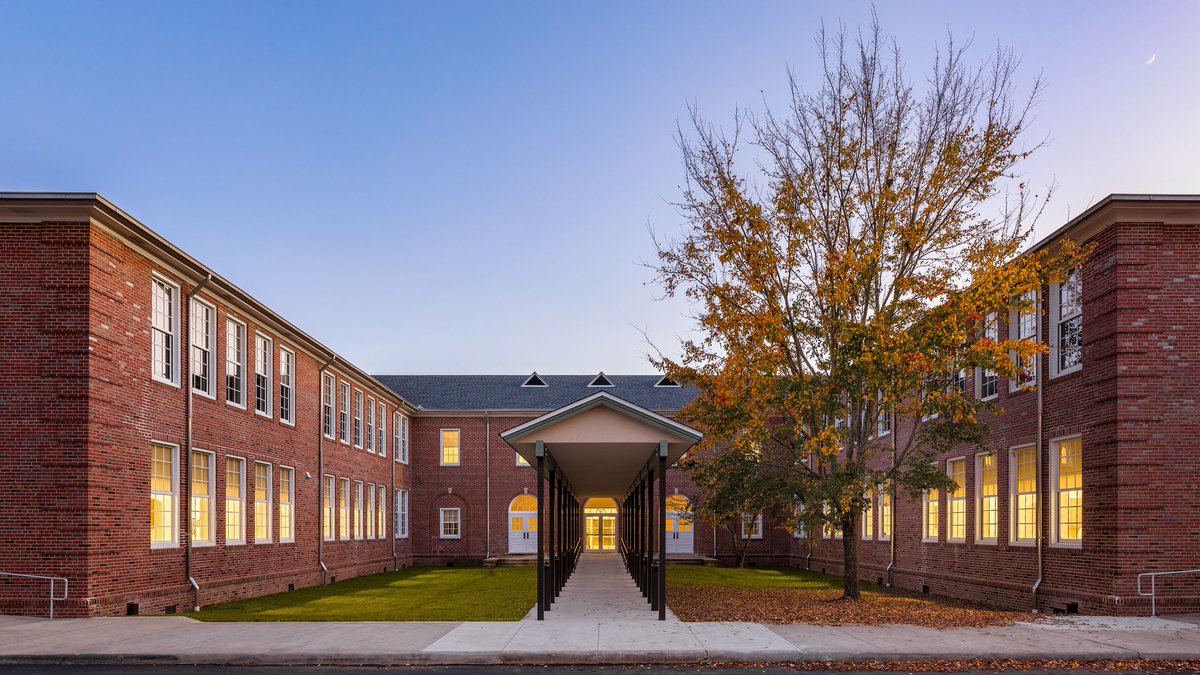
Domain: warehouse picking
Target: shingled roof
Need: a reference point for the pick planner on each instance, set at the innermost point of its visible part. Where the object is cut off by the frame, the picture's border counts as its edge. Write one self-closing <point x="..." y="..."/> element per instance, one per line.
<point x="504" y="392"/>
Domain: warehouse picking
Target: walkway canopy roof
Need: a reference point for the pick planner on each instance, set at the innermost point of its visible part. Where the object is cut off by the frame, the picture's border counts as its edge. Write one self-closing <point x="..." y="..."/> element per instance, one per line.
<point x="602" y="442"/>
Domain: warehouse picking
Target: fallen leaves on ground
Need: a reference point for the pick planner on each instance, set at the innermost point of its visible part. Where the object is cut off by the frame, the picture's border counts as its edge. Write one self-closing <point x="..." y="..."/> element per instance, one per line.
<point x="978" y="665"/>
<point x="825" y="607"/>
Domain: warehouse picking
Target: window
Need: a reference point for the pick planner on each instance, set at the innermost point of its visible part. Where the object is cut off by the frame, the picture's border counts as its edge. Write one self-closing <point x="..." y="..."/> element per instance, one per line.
<point x="235" y="514"/>
<point x="798" y="514"/>
<point x="327" y="385"/>
<point x="401" y="440"/>
<point x="883" y="426"/>
<point x="235" y="363"/>
<point x="751" y="526"/>
<point x="263" y="358"/>
<point x="327" y="509"/>
<point x="344" y="510"/>
<point x="382" y="430"/>
<point x="369" y="510"/>
<point x="204" y="340"/>
<point x="381" y="511"/>
<point x="1066" y="478"/>
<point x="358" y="509"/>
<point x="262" y="503"/>
<point x="402" y="514"/>
<point x="830" y="531"/>
<point x="450" y="448"/>
<point x="957" y="469"/>
<point x="203" y="485"/>
<point x="521" y="461"/>
<point x="164" y="476"/>
<point x="370" y="424"/>
<point x="1024" y="480"/>
<point x="885" y="512"/>
<point x="988" y="506"/>
<point x="1022" y="325"/>
<point x="1066" y="338"/>
<point x="344" y="414"/>
<point x="868" y="516"/>
<point x="287" y="402"/>
<point x="451" y="522"/>
<point x="986" y="380"/>
<point x="164" y="330"/>
<point x="358" y="418"/>
<point x="929" y="516"/>
<point x="287" y="501"/>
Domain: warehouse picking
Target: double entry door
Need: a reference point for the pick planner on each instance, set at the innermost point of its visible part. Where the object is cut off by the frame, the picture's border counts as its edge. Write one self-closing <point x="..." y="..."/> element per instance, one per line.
<point x="522" y="533"/>
<point x="601" y="533"/>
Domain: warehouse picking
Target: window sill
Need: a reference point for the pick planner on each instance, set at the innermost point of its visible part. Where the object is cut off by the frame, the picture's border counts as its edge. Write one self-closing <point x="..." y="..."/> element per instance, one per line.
<point x="266" y="415"/>
<point x="1023" y="544"/>
<point x="985" y="542"/>
<point x="205" y="394"/>
<point x="262" y="542"/>
<point x="235" y="543"/>
<point x="1076" y="545"/>
<point x="203" y="544"/>
<point x="929" y="541"/>
<point x="450" y="538"/>
<point x="164" y="381"/>
<point x="993" y="397"/>
<point x="960" y="542"/>
<point x="287" y="423"/>
<point x="401" y="536"/>
<point x="1061" y="373"/>
<point x="163" y="545"/>
<point x="287" y="541"/>
<point x="231" y="404"/>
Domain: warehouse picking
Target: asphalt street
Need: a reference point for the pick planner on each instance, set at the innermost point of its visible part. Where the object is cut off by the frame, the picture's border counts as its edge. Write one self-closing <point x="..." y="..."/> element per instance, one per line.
<point x="463" y="670"/>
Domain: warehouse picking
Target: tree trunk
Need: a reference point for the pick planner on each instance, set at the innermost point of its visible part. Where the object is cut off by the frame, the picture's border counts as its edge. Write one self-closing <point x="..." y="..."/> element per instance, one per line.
<point x="850" y="588"/>
<point x="739" y="545"/>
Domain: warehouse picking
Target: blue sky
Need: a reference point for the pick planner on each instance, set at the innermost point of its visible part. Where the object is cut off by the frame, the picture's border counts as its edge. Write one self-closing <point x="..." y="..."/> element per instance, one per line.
<point x="466" y="188"/>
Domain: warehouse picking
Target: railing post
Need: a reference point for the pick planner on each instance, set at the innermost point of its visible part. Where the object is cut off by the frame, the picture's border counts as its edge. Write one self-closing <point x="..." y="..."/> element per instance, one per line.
<point x="541" y="551"/>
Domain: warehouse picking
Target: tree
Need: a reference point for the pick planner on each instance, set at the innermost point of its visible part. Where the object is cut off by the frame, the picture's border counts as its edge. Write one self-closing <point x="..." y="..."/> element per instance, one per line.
<point x="736" y="487"/>
<point x="851" y="272"/>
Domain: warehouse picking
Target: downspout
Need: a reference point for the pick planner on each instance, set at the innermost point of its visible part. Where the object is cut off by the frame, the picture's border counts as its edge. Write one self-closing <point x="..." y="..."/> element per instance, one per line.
<point x="487" y="455"/>
<point x="1041" y="421"/>
<point x="892" y="526"/>
<point x="321" y="470"/>
<point x="185" y="462"/>
<point x="395" y="506"/>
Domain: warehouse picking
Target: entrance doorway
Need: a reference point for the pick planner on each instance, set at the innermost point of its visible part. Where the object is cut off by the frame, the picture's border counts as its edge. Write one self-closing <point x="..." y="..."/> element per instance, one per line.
<point x="679" y="525"/>
<point x="600" y="524"/>
<point x="522" y="525"/>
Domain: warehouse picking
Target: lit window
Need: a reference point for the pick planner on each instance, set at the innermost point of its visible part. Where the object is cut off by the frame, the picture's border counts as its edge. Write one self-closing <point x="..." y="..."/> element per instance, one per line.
<point x="830" y="531"/>
<point x="263" y="358"/>
<point x="751" y="526"/>
<point x="287" y="501"/>
<point x="370" y="423"/>
<point x="369" y="510"/>
<point x="986" y="381"/>
<point x="930" y="516"/>
<point x="262" y="503"/>
<point x="381" y="512"/>
<point x="402" y="514"/>
<point x="358" y="509"/>
<point x="957" y="469"/>
<point x="164" y="328"/>
<point x="344" y="510"/>
<point x="521" y="461"/>
<point x="235" y="513"/>
<point x="203" y="481"/>
<point x="868" y="516"/>
<point x="235" y="363"/>
<point x="1067" y="479"/>
<point x="1066" y="340"/>
<point x="1023" y="326"/>
<point x="450" y="447"/>
<point x="204" y="340"/>
<point x="327" y="509"/>
<point x="450" y="523"/>
<point x="344" y="414"/>
<point x="287" y="401"/>
<point x="382" y="430"/>
<point x="358" y="418"/>
<point x="163" y="476"/>
<point x="885" y="512"/>
<point x="989" y="499"/>
<point x="1024" y="470"/>
<point x="327" y="386"/>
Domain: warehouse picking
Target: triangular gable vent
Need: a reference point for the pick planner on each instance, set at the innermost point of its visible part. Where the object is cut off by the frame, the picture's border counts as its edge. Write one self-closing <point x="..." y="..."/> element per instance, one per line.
<point x="534" y="380"/>
<point x="601" y="381"/>
<point x="666" y="382"/>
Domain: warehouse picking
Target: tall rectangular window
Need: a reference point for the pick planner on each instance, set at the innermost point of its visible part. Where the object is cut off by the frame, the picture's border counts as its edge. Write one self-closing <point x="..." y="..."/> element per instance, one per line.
<point x="164" y="495"/>
<point x="371" y="424"/>
<point x="883" y="426"/>
<point x="235" y="494"/>
<point x="451" y="523"/>
<point x="344" y="414"/>
<point x="327" y="386"/>
<point x="327" y="499"/>
<point x="369" y="511"/>
<point x="287" y="504"/>
<point x="401" y="438"/>
<point x="164" y="329"/>
<point x="1024" y="472"/>
<point x="204" y="341"/>
<point x="1066" y="479"/>
<point x="264" y="356"/>
<point x="988" y="506"/>
<point x="1066" y="337"/>
<point x="885" y="512"/>
<point x="358" y="418"/>
<point x="382" y="430"/>
<point x="262" y="503"/>
<point x="868" y="516"/>
<point x="930" y="516"/>
<point x="287" y="394"/>
<point x="450" y="447"/>
<point x="381" y="512"/>
<point x="358" y="509"/>
<point x="986" y="381"/>
<point x="203" y="485"/>
<point x="957" y="468"/>
<point x="1022" y="325"/>
<point x="402" y="514"/>
<point x="344" y="510"/>
<point x="235" y="363"/>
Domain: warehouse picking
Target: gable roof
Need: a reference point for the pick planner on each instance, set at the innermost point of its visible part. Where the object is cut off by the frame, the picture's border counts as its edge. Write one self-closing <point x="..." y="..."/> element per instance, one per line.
<point x="504" y="392"/>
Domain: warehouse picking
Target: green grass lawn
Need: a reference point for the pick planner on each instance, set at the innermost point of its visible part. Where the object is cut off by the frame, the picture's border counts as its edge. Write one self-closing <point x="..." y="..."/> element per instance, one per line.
<point x="412" y="594"/>
<point x="768" y="577"/>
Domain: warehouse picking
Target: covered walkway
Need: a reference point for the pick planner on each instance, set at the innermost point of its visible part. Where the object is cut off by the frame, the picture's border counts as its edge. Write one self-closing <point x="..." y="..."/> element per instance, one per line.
<point x="600" y="590"/>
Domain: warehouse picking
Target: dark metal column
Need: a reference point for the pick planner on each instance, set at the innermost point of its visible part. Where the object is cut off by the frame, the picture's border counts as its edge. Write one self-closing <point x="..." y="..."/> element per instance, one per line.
<point x="662" y="531"/>
<point x="551" y="511"/>
<point x="541" y="552"/>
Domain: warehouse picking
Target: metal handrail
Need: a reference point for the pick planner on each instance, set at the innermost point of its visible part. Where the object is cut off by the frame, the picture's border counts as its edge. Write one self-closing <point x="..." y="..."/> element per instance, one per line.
<point x="1153" y="594"/>
<point x="52" y="580"/>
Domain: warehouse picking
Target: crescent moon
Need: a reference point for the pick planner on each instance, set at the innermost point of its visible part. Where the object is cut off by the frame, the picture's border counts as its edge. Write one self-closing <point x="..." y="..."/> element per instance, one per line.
<point x="1151" y="60"/>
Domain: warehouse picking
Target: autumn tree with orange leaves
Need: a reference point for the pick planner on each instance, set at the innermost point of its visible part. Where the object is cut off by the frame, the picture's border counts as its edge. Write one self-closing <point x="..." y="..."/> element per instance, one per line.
<point x="843" y="271"/>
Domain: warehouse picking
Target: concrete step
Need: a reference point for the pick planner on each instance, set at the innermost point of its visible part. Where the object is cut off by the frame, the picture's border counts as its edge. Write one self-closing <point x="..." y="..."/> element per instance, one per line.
<point x="511" y="561"/>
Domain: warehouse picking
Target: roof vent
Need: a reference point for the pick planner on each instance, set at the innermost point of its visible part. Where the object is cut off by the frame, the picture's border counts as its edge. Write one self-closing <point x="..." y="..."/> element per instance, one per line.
<point x="534" y="380"/>
<point x="666" y="382"/>
<point x="601" y="381"/>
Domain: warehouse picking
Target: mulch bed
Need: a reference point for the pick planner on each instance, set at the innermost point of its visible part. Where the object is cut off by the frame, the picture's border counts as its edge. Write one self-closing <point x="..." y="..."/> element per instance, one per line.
<point x="981" y="665"/>
<point x="825" y="607"/>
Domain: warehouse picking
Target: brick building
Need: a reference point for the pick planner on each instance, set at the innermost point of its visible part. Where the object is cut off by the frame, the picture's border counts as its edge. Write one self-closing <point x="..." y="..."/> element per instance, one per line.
<point x="130" y="370"/>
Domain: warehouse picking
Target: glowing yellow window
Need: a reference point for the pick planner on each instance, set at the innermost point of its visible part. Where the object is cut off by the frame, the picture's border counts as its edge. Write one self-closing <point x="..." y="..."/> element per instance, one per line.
<point x="450" y="447"/>
<point x="989" y="523"/>
<point x="1069" y="491"/>
<point x="162" y="495"/>
<point x="958" y="500"/>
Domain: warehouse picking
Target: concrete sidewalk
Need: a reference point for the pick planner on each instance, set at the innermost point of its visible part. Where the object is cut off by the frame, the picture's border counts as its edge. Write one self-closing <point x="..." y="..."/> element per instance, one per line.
<point x="180" y="640"/>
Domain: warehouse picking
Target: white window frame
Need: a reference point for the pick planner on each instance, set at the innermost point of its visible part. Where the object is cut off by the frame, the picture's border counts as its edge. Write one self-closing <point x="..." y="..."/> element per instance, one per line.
<point x="265" y="504"/>
<point x="329" y="508"/>
<point x="209" y="354"/>
<point x="886" y="504"/>
<point x="357" y="424"/>
<point x="991" y="331"/>
<point x="329" y="406"/>
<point x="370" y="433"/>
<point x="442" y="447"/>
<point x="369" y="510"/>
<point x="1052" y="484"/>
<point x="926" y="501"/>
<point x="232" y="323"/>
<point x="1014" y="495"/>
<point x="173" y="494"/>
<point x="381" y="511"/>
<point x="980" y="458"/>
<point x="287" y="385"/>
<point x="344" y="508"/>
<point x="356" y="511"/>
<point x="211" y="540"/>
<point x="1056" y="322"/>
<point x="264" y="368"/>
<point x="756" y="526"/>
<point x="344" y="412"/>
<point x="520" y="461"/>
<point x="402" y="431"/>
<point x="241" y="500"/>
<point x="401" y="530"/>
<point x="883" y="423"/>
<point x="457" y="523"/>
<point x="868" y="519"/>
<point x="171" y="336"/>
<point x="951" y="500"/>
<point x="1016" y="331"/>
<point x="290" y="492"/>
<point x="382" y="442"/>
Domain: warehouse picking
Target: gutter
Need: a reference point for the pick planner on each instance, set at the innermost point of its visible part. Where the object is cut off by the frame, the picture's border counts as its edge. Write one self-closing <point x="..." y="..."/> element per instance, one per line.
<point x="892" y="529"/>
<point x="185" y="462"/>
<point x="487" y="420"/>
<point x="1041" y="431"/>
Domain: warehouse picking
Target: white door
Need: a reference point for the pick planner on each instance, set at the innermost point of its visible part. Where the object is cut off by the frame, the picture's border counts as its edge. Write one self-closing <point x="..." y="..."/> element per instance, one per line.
<point x="679" y="525"/>
<point x="522" y="525"/>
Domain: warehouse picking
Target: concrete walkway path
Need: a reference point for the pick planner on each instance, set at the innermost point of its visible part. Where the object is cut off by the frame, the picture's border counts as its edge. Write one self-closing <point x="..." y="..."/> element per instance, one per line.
<point x="600" y="590"/>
